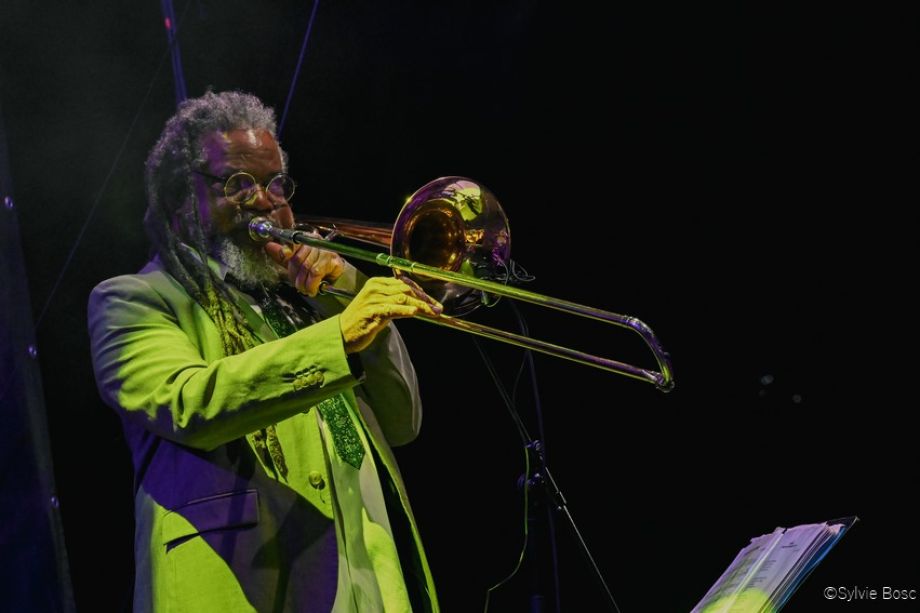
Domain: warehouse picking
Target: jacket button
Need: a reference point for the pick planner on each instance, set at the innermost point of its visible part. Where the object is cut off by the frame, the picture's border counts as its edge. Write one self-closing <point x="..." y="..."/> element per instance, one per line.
<point x="308" y="380"/>
<point x="316" y="480"/>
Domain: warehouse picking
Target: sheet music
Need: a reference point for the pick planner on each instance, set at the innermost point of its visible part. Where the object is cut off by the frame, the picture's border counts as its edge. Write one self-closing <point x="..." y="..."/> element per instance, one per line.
<point x="743" y="567"/>
<point x="787" y="554"/>
<point x="766" y="572"/>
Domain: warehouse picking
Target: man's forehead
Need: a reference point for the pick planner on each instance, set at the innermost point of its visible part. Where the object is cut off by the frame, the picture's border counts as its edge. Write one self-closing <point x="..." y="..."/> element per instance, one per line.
<point x="243" y="143"/>
<point x="241" y="138"/>
<point x="249" y="138"/>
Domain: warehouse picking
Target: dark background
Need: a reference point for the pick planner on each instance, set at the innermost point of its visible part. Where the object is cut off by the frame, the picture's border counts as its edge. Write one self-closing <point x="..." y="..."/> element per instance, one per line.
<point x="701" y="168"/>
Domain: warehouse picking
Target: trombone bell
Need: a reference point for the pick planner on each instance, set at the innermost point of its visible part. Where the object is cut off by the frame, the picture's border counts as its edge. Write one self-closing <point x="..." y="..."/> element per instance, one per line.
<point x="454" y="224"/>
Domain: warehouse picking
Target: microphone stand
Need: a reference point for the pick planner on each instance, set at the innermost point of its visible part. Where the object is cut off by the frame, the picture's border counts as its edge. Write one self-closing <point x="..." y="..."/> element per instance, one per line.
<point x="542" y="508"/>
<point x="541" y="532"/>
<point x="542" y="480"/>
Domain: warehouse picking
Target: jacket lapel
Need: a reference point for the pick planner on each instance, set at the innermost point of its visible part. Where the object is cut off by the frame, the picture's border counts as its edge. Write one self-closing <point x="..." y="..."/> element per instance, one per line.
<point x="256" y="323"/>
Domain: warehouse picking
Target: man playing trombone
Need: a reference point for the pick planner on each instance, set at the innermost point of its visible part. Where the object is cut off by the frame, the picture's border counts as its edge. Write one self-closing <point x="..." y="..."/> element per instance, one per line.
<point x="259" y="413"/>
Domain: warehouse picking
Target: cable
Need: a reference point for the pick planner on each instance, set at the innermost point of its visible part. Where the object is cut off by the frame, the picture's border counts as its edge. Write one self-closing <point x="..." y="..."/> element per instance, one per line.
<point x="303" y="49"/>
<point x="538" y="410"/>
<point x="520" y="561"/>
<point x="525" y="438"/>
<point x="522" y="430"/>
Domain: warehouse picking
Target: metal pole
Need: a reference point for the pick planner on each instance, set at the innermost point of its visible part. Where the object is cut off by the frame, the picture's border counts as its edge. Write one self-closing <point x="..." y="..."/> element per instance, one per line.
<point x="172" y="35"/>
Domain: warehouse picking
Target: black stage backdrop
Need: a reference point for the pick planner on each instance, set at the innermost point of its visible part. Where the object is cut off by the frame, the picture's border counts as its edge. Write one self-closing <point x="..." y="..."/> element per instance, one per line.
<point x="694" y="166"/>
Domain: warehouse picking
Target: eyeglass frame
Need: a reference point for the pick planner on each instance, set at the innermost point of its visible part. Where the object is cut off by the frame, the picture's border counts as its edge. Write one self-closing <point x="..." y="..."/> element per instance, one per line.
<point x="264" y="186"/>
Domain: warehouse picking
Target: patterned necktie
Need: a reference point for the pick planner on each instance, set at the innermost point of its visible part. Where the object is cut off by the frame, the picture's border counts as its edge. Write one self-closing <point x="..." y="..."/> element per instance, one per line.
<point x="285" y="316"/>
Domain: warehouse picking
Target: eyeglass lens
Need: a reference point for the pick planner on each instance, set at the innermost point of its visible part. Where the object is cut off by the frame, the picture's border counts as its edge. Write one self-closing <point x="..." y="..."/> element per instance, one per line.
<point x="242" y="186"/>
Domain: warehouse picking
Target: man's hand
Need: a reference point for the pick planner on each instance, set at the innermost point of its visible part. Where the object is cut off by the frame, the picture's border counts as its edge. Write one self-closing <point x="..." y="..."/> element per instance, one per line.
<point x="380" y="300"/>
<point x="307" y="267"/>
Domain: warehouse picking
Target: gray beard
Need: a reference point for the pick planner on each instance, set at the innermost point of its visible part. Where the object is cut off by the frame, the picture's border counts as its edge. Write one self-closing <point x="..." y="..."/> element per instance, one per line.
<point x="250" y="265"/>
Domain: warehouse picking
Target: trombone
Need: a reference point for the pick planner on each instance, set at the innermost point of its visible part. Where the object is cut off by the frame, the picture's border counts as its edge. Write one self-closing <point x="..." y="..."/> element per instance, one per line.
<point x="452" y="238"/>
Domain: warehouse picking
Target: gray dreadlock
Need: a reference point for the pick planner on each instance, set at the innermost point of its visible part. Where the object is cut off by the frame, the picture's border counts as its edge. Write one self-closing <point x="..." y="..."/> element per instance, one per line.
<point x="173" y="222"/>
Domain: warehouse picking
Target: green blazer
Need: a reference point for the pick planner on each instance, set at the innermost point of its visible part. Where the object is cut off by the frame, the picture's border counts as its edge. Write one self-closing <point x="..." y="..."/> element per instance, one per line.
<point x="216" y="528"/>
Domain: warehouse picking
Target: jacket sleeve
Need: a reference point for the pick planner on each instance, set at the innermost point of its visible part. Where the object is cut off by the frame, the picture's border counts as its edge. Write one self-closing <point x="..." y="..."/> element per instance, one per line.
<point x="390" y="386"/>
<point x="148" y="368"/>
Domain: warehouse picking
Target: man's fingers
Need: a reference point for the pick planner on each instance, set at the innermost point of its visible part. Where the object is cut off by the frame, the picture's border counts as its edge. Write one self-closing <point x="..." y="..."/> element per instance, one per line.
<point x="308" y="267"/>
<point x="390" y="286"/>
<point x="394" y="311"/>
<point x="278" y="252"/>
<point x="301" y="281"/>
<point x="403" y="299"/>
<point x="302" y="259"/>
<point x="400" y="275"/>
<point x="425" y="307"/>
<point x="314" y="280"/>
<point x="418" y="292"/>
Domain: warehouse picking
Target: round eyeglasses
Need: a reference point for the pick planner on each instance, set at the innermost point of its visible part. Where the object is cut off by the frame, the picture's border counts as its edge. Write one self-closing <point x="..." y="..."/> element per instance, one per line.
<point x="242" y="187"/>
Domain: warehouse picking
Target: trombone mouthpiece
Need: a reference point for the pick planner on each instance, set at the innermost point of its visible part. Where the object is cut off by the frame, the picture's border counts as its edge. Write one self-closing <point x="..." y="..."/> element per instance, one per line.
<point x="260" y="229"/>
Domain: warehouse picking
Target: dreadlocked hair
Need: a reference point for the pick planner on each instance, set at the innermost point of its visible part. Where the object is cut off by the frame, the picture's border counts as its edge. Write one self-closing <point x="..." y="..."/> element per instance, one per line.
<point x="173" y="219"/>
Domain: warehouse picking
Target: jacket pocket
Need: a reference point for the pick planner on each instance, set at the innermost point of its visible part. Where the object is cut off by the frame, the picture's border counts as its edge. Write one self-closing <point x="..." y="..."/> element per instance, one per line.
<point x="219" y="512"/>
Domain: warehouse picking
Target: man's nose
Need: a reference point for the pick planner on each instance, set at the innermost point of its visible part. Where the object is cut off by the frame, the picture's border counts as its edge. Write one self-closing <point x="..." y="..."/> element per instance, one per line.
<point x="260" y="200"/>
